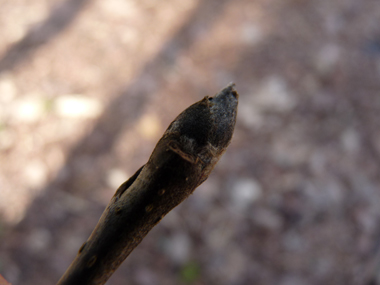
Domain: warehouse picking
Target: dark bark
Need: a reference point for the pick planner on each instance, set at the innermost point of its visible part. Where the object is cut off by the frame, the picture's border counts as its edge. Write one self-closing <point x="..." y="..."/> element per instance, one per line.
<point x="182" y="159"/>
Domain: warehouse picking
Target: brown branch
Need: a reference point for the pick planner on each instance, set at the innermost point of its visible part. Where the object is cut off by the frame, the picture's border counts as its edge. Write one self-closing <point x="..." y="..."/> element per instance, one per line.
<point x="182" y="159"/>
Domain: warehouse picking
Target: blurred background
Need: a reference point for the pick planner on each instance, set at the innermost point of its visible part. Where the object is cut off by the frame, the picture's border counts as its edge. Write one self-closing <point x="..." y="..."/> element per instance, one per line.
<point x="87" y="87"/>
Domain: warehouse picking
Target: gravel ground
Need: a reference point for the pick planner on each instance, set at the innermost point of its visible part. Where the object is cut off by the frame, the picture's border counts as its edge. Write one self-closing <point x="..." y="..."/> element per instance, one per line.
<point x="87" y="87"/>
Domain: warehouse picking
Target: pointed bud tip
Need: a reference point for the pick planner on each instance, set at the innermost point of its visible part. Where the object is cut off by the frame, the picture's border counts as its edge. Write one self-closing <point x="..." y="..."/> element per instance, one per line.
<point x="231" y="89"/>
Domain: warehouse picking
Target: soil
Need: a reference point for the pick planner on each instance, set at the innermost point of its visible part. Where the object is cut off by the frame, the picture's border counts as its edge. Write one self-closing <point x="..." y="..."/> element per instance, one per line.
<point x="88" y="87"/>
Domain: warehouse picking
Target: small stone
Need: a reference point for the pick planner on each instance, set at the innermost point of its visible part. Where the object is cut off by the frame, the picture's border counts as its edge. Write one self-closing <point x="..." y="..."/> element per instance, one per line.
<point x="77" y="106"/>
<point x="36" y="173"/>
<point x="149" y="127"/>
<point x="30" y="109"/>
<point x="327" y="59"/>
<point x="38" y="240"/>
<point x="178" y="247"/>
<point x="251" y="34"/>
<point x="249" y="115"/>
<point x="245" y="192"/>
<point x="115" y="177"/>
<point x="350" y="141"/>
<point x="273" y="94"/>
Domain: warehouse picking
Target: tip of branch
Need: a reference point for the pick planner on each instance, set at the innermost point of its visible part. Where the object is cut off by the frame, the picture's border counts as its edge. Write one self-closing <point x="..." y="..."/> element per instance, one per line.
<point x="229" y="90"/>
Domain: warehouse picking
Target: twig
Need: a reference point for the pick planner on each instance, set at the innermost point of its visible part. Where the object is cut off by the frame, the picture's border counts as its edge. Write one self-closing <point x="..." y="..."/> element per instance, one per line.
<point x="182" y="159"/>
